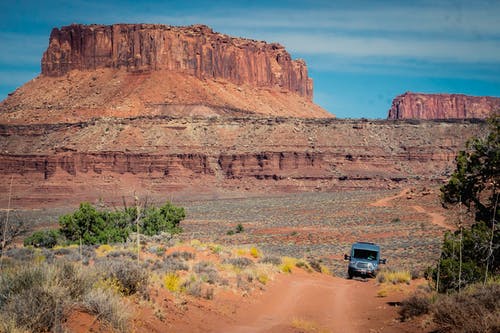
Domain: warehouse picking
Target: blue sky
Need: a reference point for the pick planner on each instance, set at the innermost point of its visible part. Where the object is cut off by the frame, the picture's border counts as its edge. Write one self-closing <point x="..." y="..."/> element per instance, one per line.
<point x="360" y="54"/>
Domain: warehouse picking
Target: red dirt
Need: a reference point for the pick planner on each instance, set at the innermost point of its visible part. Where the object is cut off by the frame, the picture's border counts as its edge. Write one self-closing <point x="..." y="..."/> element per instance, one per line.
<point x="436" y="218"/>
<point x="305" y="302"/>
<point x="384" y="202"/>
<point x="297" y="302"/>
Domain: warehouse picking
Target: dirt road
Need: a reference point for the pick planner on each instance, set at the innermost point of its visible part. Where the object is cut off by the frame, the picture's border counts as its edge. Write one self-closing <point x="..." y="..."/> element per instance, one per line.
<point x="305" y="302"/>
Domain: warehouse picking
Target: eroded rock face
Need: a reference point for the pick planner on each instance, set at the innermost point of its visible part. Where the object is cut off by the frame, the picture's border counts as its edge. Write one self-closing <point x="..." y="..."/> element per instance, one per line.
<point x="195" y="50"/>
<point x="442" y="106"/>
<point x="57" y="164"/>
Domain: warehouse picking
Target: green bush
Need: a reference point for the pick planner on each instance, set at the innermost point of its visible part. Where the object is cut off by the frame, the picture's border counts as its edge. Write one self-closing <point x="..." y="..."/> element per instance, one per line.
<point x="91" y="226"/>
<point x="94" y="227"/>
<point x="44" y="238"/>
<point x="164" y="219"/>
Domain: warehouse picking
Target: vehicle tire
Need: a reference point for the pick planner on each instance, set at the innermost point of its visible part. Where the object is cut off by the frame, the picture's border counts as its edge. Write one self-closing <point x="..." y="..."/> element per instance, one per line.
<point x="349" y="274"/>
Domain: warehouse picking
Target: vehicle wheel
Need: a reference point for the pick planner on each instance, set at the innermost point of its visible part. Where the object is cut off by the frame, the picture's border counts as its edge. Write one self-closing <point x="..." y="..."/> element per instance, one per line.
<point x="349" y="274"/>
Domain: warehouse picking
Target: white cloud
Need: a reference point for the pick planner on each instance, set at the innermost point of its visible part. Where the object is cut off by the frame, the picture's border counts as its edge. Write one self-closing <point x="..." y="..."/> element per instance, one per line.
<point x="458" y="51"/>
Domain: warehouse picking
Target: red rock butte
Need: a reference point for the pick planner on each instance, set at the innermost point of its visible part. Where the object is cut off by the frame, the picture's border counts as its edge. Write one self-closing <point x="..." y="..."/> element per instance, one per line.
<point x="196" y="50"/>
<point x="127" y="70"/>
<point x="443" y="106"/>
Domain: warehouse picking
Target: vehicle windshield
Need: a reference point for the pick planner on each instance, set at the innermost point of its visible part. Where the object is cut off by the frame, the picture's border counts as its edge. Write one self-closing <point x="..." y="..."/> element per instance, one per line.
<point x="365" y="254"/>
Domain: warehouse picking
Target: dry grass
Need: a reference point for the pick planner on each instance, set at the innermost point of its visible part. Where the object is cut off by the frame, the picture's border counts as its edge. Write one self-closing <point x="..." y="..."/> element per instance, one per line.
<point x="108" y="307"/>
<point x="307" y="326"/>
<point x="103" y="250"/>
<point x="414" y="306"/>
<point x="394" y="277"/>
<point x="255" y="252"/>
<point x="287" y="263"/>
<point x="474" y="310"/>
<point x="172" y="282"/>
<point x="385" y="289"/>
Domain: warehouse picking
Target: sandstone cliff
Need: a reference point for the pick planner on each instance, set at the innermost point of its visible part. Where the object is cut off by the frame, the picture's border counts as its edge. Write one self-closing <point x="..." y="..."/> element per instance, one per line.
<point x="131" y="70"/>
<point x="442" y="106"/>
<point x="194" y="50"/>
<point x="156" y="156"/>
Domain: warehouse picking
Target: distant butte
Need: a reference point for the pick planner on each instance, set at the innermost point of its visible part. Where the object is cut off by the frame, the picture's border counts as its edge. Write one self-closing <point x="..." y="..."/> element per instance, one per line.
<point x="443" y="106"/>
<point x="127" y="70"/>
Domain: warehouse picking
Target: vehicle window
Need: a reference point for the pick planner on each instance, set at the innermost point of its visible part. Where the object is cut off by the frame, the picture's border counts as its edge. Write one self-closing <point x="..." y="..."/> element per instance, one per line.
<point x="365" y="254"/>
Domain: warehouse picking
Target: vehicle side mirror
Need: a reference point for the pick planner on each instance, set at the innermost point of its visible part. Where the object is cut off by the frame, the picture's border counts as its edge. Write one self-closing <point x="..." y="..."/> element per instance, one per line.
<point x="346" y="257"/>
<point x="383" y="261"/>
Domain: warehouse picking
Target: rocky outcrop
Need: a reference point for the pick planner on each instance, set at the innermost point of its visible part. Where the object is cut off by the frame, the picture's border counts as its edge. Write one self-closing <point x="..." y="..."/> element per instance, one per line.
<point x="442" y="106"/>
<point x="195" y="50"/>
<point x="190" y="157"/>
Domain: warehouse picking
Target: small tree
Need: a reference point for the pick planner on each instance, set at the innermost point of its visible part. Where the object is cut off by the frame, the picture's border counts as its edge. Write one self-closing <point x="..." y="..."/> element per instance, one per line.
<point x="91" y="226"/>
<point x="469" y="253"/>
<point x="163" y="219"/>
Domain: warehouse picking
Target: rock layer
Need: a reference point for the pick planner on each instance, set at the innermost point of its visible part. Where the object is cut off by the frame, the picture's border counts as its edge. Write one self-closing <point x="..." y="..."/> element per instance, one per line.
<point x="190" y="157"/>
<point x="442" y="106"/>
<point x="195" y="50"/>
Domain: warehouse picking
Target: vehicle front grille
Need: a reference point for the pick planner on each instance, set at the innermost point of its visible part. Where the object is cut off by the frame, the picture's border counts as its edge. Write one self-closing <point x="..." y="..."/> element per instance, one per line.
<point x="363" y="265"/>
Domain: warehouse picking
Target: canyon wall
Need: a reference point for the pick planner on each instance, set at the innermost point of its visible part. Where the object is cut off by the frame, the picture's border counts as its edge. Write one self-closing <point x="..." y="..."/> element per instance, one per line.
<point x="63" y="164"/>
<point x="194" y="50"/>
<point x="442" y="106"/>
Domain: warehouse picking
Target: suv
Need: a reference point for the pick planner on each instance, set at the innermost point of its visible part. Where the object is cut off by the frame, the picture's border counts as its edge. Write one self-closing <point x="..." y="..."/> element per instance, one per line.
<point x="364" y="259"/>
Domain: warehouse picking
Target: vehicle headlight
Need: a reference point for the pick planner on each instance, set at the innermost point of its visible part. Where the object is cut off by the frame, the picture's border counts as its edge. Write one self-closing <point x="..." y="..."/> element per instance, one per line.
<point x="370" y="266"/>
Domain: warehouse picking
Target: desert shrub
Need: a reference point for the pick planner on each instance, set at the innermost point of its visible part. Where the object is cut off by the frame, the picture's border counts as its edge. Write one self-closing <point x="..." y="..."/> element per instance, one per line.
<point x="263" y="278"/>
<point x="171" y="264"/>
<point x="35" y="297"/>
<point x="107" y="307"/>
<point x="215" y="248"/>
<point x="304" y="265"/>
<point x="192" y="287"/>
<point x="130" y="275"/>
<point x="287" y="263"/>
<point x="44" y="238"/>
<point x="73" y="279"/>
<point x="325" y="270"/>
<point x="172" y="282"/>
<point x="240" y="262"/>
<point x="276" y="261"/>
<point x="475" y="310"/>
<point x="315" y="265"/>
<point x="184" y="255"/>
<point x="34" y="309"/>
<point x="20" y="253"/>
<point x="255" y="252"/>
<point x="62" y="251"/>
<point x="238" y="229"/>
<point x="415" y="305"/>
<point x="8" y="231"/>
<point x="103" y="250"/>
<point x="206" y="271"/>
